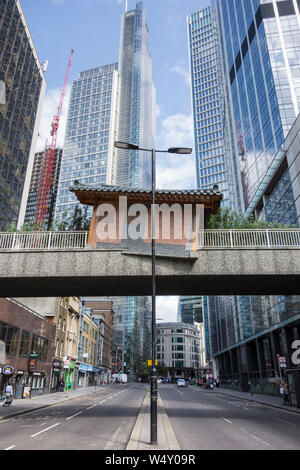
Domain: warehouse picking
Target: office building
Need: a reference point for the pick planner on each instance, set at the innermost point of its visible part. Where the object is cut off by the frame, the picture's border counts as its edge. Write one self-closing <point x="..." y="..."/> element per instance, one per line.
<point x="190" y="309"/>
<point x="215" y="149"/>
<point x="23" y="87"/>
<point x="261" y="40"/>
<point x="179" y="347"/>
<point x="136" y="124"/>
<point x="90" y="133"/>
<point x="249" y="333"/>
<point x="37" y="177"/>
<point x="136" y="116"/>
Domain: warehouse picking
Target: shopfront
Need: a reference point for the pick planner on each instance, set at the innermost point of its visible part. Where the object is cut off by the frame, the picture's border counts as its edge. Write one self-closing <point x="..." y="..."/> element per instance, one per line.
<point x="88" y="375"/>
<point x="56" y="375"/>
<point x="7" y="373"/>
<point x="69" y="366"/>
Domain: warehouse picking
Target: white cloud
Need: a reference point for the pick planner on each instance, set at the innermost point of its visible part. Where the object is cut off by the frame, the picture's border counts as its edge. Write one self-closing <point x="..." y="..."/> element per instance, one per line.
<point x="166" y="308"/>
<point x="176" y="171"/>
<point x="50" y="107"/>
<point x="181" y="71"/>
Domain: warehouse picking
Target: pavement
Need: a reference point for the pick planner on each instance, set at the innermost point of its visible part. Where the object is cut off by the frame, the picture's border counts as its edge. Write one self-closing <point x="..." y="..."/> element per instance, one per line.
<point x="140" y="435"/>
<point x="27" y="405"/>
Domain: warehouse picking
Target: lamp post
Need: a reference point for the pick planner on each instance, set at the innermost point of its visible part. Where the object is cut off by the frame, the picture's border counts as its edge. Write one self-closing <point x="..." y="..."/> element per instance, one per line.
<point x="153" y="390"/>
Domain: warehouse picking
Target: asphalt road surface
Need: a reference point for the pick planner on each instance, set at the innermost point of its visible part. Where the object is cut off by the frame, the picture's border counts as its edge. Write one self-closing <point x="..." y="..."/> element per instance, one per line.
<point x="207" y="420"/>
<point x="103" y="421"/>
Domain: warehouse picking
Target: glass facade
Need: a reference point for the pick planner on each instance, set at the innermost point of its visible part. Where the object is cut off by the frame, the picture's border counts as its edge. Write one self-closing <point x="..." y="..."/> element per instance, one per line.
<point x="190" y="309"/>
<point x="88" y="144"/>
<point x="262" y="50"/>
<point x="136" y="124"/>
<point x="215" y="149"/>
<point x="260" y="40"/>
<point x="136" y="121"/>
<point x="23" y="80"/>
<point x="132" y="331"/>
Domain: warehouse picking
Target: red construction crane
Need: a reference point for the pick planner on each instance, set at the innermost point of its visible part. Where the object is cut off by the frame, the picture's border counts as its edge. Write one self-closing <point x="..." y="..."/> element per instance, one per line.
<point x="47" y="172"/>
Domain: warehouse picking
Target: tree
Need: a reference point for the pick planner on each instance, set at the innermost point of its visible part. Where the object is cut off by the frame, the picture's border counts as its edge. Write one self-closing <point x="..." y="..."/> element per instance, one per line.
<point x="227" y="219"/>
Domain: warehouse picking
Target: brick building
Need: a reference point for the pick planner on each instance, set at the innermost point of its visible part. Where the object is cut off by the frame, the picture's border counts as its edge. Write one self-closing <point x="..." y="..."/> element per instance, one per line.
<point x="29" y="342"/>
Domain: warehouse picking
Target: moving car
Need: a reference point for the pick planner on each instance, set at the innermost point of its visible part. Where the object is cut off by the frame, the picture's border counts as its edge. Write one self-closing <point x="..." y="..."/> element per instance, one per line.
<point x="166" y="380"/>
<point x="159" y="381"/>
<point x="181" y="383"/>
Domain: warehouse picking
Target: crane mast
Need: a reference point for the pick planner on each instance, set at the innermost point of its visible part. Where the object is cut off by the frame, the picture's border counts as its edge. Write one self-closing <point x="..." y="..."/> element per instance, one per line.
<point x="47" y="171"/>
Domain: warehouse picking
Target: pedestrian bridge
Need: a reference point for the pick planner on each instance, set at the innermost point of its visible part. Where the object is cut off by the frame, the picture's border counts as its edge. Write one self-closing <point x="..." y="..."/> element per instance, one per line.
<point x="227" y="262"/>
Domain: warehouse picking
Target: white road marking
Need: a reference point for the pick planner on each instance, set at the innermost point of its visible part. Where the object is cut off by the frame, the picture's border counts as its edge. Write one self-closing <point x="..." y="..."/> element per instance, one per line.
<point x="285" y="422"/>
<point x="225" y="419"/>
<point x="73" y="416"/>
<point x="91" y="406"/>
<point x="11" y="447"/>
<point x="47" y="429"/>
<point x="102" y="401"/>
<point x="255" y="437"/>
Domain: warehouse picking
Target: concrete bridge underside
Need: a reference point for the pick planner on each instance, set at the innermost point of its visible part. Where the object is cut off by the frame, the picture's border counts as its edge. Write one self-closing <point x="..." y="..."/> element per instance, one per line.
<point x="89" y="273"/>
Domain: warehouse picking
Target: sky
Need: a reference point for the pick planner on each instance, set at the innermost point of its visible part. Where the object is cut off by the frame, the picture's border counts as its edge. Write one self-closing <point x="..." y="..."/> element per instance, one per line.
<point x="92" y="29"/>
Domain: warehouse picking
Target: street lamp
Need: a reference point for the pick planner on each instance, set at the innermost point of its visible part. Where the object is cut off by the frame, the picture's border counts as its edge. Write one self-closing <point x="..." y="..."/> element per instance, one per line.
<point x="153" y="391"/>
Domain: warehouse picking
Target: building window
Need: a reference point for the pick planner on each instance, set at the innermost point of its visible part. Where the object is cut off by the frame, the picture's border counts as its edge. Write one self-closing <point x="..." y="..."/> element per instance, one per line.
<point x="9" y="335"/>
<point x="24" y="344"/>
<point x="40" y="346"/>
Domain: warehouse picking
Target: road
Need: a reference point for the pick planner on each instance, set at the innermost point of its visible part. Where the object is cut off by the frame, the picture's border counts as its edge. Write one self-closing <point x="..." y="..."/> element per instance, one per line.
<point x="208" y="420"/>
<point x="102" y="421"/>
<point x="201" y="420"/>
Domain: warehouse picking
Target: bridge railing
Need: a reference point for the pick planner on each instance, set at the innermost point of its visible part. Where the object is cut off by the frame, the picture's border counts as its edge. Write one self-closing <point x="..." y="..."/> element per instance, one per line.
<point x="239" y="238"/>
<point x="42" y="240"/>
<point x="269" y="238"/>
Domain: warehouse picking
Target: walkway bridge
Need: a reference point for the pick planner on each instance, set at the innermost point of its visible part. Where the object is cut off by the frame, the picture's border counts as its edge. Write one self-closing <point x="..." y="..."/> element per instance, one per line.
<point x="228" y="262"/>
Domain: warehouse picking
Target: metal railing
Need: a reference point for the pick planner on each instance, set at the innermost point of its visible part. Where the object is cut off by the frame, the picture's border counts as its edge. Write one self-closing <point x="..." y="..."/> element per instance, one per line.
<point x="269" y="238"/>
<point x="239" y="238"/>
<point x="43" y="240"/>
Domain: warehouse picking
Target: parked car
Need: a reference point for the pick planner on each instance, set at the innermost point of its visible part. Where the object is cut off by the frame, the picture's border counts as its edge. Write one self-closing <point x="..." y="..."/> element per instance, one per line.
<point x="181" y="383"/>
<point x="159" y="381"/>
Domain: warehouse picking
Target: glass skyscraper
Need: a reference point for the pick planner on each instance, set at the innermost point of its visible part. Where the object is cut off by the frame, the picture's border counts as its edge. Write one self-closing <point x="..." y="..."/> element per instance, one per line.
<point x="136" y="116"/>
<point x="215" y="149"/>
<point x="262" y="52"/>
<point x="89" y="138"/>
<point x="108" y="103"/>
<point x="23" y="87"/>
<point x="136" y="125"/>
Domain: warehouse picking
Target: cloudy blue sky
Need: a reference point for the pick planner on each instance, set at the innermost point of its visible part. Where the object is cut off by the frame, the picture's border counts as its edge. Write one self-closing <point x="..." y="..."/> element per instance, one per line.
<point x="92" y="29"/>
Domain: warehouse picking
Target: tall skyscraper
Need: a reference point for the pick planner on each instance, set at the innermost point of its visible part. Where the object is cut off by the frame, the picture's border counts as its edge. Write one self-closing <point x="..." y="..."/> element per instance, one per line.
<point x="136" y="124"/>
<point x="261" y="50"/>
<point x="108" y="103"/>
<point x="136" y="117"/>
<point x="23" y="87"/>
<point x="90" y="132"/>
<point x="262" y="56"/>
<point x="190" y="309"/>
<point x="36" y="181"/>
<point x="215" y="149"/>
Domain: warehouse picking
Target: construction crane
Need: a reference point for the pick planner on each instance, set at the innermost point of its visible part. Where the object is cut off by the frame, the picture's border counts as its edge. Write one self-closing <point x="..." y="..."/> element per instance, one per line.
<point x="47" y="171"/>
